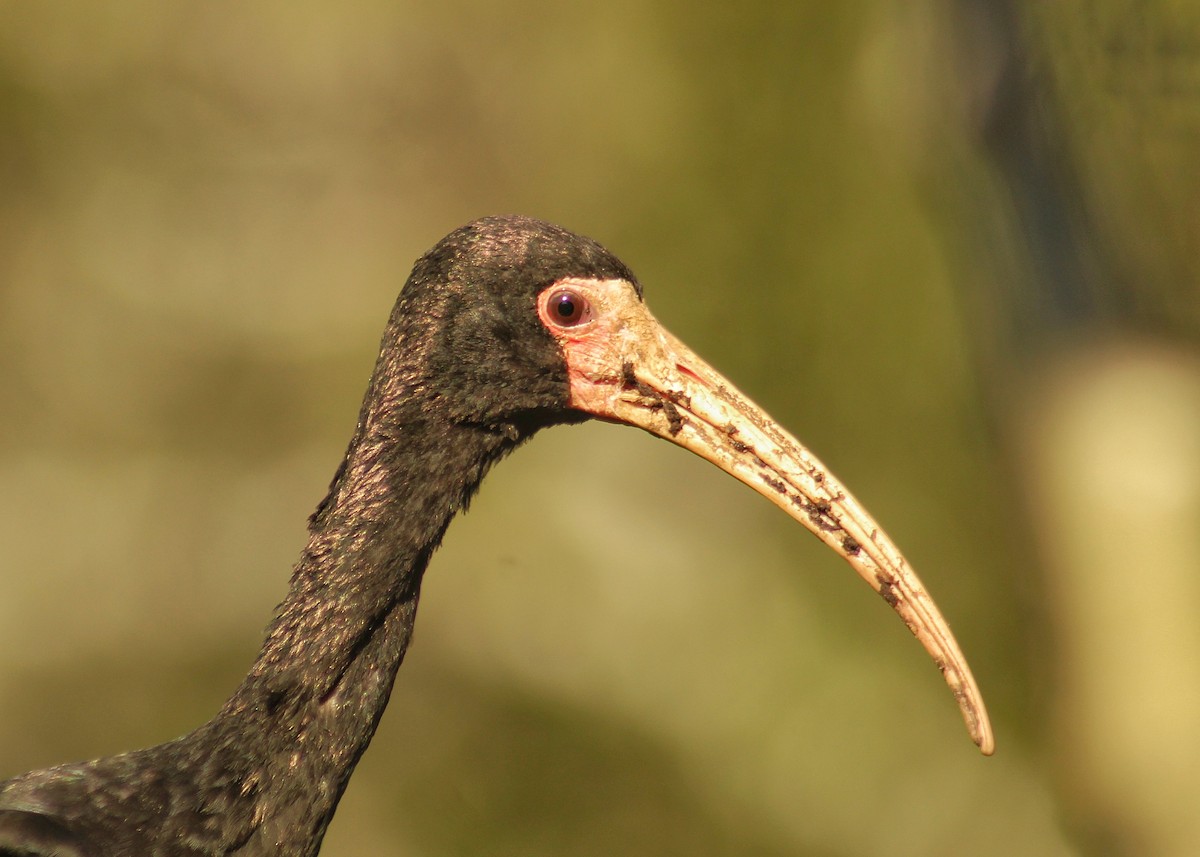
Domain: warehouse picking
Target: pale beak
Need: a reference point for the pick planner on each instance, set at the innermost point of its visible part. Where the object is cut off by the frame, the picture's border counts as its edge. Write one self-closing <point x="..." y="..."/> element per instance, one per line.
<point x="625" y="367"/>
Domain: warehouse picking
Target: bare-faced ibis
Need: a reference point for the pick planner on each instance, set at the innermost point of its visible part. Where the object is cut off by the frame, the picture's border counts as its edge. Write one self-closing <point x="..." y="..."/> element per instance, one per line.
<point x="507" y="326"/>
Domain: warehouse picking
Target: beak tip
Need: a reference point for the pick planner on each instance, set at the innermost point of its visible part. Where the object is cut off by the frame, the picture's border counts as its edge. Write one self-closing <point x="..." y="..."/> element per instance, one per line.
<point x="979" y="725"/>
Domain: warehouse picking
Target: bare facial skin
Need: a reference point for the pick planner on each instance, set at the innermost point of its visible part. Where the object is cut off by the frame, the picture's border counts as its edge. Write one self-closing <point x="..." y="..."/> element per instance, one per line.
<point x="625" y="367"/>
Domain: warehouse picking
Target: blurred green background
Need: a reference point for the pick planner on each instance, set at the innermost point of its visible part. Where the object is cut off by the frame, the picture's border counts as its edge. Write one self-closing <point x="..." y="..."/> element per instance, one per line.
<point x="954" y="246"/>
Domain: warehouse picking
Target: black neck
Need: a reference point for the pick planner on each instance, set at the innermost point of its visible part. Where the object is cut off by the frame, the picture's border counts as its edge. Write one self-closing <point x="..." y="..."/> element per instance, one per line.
<point x="320" y="684"/>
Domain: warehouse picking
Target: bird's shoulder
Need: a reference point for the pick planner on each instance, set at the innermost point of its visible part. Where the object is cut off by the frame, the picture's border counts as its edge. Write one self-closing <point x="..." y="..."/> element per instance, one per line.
<point x="31" y="834"/>
<point x="170" y="799"/>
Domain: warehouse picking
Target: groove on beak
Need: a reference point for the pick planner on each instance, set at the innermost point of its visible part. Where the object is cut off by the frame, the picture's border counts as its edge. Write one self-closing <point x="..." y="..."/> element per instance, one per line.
<point x="625" y="367"/>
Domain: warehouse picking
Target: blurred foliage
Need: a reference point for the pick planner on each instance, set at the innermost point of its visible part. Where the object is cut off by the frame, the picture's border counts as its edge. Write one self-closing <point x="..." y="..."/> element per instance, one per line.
<point x="916" y="233"/>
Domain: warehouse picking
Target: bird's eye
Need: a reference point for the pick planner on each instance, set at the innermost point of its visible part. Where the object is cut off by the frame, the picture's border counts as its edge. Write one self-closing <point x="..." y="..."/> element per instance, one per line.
<point x="567" y="308"/>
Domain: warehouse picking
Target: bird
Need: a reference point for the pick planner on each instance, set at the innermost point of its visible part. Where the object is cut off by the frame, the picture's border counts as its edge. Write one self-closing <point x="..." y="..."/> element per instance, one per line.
<point x="507" y="326"/>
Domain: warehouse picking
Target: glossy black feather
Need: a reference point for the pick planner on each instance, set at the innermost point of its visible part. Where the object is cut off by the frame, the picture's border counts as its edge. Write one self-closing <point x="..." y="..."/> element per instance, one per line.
<point x="465" y="373"/>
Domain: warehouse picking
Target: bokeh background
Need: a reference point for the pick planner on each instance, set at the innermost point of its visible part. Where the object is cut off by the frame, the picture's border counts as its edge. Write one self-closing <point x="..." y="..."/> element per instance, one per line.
<point x="955" y="246"/>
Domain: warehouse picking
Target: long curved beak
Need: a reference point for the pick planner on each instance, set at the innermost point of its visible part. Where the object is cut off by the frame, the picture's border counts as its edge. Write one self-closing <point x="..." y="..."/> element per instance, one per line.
<point x="625" y="367"/>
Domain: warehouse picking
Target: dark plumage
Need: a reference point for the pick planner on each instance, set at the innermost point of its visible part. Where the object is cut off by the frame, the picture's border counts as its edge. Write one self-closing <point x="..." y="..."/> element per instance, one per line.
<point x="506" y="326"/>
<point x="465" y="373"/>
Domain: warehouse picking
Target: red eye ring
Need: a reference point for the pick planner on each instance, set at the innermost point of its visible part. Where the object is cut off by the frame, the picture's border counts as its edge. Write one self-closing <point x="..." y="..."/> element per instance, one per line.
<point x="568" y="308"/>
